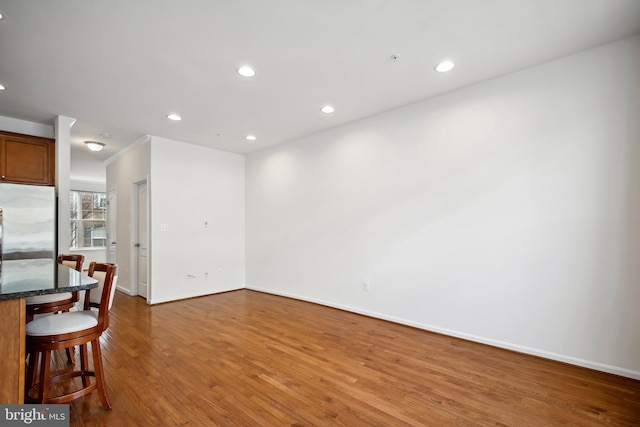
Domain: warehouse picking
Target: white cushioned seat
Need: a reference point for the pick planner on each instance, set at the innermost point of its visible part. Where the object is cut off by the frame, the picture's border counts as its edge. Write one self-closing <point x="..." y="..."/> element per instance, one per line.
<point x="62" y="323"/>
<point x="43" y="299"/>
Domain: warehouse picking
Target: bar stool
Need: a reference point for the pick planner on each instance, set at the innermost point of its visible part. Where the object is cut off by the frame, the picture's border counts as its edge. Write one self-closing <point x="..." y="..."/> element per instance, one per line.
<point x="53" y="303"/>
<point x="66" y="330"/>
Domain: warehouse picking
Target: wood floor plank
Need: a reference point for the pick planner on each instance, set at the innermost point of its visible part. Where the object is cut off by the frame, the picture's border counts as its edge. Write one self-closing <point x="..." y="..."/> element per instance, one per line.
<point x="246" y="358"/>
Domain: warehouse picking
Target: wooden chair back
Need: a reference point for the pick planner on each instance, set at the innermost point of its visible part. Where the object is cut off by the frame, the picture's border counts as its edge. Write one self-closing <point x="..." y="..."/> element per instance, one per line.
<point x="74" y="261"/>
<point x="102" y="296"/>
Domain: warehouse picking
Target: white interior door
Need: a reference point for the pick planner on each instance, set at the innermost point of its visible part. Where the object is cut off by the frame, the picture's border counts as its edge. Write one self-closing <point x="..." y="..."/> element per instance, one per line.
<point x="111" y="226"/>
<point x="142" y="243"/>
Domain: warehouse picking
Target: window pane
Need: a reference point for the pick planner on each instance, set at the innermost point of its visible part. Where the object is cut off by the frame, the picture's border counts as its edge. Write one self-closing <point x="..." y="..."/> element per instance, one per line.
<point x="73" y="203"/>
<point x="87" y="238"/>
<point x="73" y="234"/>
<point x="87" y="201"/>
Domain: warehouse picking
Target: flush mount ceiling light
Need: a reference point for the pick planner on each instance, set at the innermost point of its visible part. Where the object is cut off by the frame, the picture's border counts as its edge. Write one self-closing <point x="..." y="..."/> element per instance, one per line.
<point x="246" y="71"/>
<point x="174" y="117"/>
<point x="445" y="66"/>
<point x="251" y="138"/>
<point x="94" y="145"/>
<point x="328" y="109"/>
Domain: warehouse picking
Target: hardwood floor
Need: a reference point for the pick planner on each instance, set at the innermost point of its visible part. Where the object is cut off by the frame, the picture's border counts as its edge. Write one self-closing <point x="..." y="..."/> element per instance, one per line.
<point x="246" y="358"/>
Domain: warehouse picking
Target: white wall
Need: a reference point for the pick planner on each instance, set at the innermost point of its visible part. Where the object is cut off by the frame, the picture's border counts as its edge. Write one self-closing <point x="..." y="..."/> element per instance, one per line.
<point x="197" y="194"/>
<point x="82" y="185"/>
<point x="62" y="125"/>
<point x="507" y="212"/>
<point x="10" y="124"/>
<point x="123" y="172"/>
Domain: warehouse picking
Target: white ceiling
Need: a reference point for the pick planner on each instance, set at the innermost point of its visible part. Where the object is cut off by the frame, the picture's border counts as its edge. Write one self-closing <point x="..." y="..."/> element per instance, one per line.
<point x="120" y="66"/>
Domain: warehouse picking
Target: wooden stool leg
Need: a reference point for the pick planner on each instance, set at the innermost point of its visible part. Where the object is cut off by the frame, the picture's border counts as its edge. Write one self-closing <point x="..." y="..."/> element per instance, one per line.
<point x="67" y="350"/>
<point x="84" y="363"/>
<point x="43" y="383"/>
<point x="30" y="377"/>
<point x="99" y="372"/>
<point x="69" y="358"/>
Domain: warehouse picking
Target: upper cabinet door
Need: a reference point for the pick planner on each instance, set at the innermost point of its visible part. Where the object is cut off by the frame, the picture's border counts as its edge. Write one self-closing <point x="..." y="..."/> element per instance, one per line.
<point x="27" y="160"/>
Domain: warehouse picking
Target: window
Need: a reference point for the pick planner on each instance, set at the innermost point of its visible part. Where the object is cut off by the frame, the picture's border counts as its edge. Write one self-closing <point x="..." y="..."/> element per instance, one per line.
<point x="88" y="220"/>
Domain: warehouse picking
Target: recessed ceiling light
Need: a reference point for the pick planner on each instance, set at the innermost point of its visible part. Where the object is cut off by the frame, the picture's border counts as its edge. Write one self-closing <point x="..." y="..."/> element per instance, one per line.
<point x="328" y="109"/>
<point x="246" y="71"/>
<point x="174" y="117"/>
<point x="445" y="66"/>
<point x="1" y="15"/>
<point x="94" y="145"/>
<point x="251" y="137"/>
<point x="2" y="87"/>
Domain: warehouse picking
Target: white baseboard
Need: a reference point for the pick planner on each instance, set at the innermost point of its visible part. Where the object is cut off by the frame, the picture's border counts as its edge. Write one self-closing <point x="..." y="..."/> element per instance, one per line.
<point x="124" y="290"/>
<point x="193" y="295"/>
<point x="495" y="343"/>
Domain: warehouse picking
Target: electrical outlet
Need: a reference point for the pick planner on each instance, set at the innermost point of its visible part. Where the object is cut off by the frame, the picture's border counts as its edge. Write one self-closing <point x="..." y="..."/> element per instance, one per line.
<point x="365" y="286"/>
<point x="220" y="271"/>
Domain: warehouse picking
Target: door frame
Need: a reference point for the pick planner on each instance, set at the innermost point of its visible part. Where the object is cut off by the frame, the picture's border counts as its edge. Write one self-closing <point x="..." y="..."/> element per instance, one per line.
<point x="134" y="238"/>
<point x="112" y="226"/>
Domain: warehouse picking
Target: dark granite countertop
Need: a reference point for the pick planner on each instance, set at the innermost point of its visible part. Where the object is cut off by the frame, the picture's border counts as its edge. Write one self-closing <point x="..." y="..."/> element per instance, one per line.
<point x="28" y="277"/>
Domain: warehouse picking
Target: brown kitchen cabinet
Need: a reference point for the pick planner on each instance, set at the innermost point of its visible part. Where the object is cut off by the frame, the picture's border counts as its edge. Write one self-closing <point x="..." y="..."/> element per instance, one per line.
<point x="27" y="159"/>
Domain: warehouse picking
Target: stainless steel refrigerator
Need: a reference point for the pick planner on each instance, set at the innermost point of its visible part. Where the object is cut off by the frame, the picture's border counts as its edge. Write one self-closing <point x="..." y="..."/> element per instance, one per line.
<point x="27" y="222"/>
